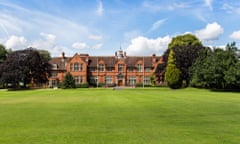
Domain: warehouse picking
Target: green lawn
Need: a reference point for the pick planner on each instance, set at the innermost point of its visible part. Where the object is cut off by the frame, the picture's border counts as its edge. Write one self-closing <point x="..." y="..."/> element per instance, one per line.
<point x="105" y="116"/>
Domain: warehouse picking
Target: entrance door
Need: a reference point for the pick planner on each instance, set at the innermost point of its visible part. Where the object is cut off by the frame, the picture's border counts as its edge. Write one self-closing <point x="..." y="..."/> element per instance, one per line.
<point x="120" y="82"/>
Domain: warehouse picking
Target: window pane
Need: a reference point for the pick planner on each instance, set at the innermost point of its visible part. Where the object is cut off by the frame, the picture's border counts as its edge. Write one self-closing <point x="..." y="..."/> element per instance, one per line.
<point x="76" y="67"/>
<point x="120" y="67"/>
<point x="101" y="67"/>
<point x="139" y="67"/>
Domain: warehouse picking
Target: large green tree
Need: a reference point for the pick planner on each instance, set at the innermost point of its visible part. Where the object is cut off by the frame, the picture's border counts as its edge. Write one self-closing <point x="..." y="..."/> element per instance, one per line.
<point x="46" y="55"/>
<point x="186" y="49"/>
<point x="22" y="67"/>
<point x="173" y="74"/>
<point x="219" y="69"/>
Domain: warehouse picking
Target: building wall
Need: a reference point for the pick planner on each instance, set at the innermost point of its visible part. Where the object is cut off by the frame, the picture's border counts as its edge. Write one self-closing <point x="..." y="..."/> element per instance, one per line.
<point x="128" y="76"/>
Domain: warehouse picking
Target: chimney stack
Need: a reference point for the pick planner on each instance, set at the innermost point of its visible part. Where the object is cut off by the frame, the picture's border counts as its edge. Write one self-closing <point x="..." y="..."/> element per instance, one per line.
<point x="63" y="55"/>
<point x="154" y="58"/>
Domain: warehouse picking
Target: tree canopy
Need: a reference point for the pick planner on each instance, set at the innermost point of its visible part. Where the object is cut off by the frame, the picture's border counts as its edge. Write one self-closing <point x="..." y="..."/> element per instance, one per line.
<point x="218" y="69"/>
<point x="46" y="55"/>
<point x="186" y="50"/>
<point x="3" y="53"/>
<point x="185" y="40"/>
<point x="23" y="67"/>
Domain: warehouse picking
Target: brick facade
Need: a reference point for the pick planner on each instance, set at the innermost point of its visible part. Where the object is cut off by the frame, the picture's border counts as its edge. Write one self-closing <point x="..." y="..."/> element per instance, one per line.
<point x="117" y="70"/>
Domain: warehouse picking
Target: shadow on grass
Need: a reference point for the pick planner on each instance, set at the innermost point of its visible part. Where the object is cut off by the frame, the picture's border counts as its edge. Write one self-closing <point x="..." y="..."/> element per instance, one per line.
<point x="226" y="90"/>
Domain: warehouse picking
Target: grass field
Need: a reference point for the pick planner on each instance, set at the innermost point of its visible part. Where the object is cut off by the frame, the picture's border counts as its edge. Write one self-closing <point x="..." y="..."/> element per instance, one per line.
<point x="129" y="116"/>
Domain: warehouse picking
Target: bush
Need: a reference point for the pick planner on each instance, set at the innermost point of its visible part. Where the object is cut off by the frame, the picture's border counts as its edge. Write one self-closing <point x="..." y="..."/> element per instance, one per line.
<point x="141" y="85"/>
<point x="83" y="85"/>
<point x="101" y="84"/>
<point x="111" y="85"/>
<point x="173" y="74"/>
<point x="68" y="81"/>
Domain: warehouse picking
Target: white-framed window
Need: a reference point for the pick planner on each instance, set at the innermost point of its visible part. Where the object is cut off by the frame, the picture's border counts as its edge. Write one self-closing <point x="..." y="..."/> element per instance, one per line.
<point x="139" y="67"/>
<point x="132" y="80"/>
<point x="54" y="66"/>
<point x="94" y="79"/>
<point x="101" y="67"/>
<point x="80" y="67"/>
<point x="108" y="79"/>
<point x="54" y="83"/>
<point x="78" y="79"/>
<point x="76" y="67"/>
<point x="147" y="69"/>
<point x="54" y="74"/>
<point x="147" y="80"/>
<point x="120" y="67"/>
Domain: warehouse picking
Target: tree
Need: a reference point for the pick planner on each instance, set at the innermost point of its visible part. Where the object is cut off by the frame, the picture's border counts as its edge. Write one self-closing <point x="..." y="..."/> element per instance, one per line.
<point x="173" y="74"/>
<point x="23" y="67"/>
<point x="3" y="53"/>
<point x="219" y="69"/>
<point x="45" y="54"/>
<point x="198" y="69"/>
<point x="186" y="49"/>
<point x="185" y="40"/>
<point x="68" y="81"/>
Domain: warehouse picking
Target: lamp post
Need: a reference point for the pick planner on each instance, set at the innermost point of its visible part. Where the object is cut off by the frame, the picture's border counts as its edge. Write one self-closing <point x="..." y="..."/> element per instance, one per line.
<point x="97" y="72"/>
<point x="143" y="72"/>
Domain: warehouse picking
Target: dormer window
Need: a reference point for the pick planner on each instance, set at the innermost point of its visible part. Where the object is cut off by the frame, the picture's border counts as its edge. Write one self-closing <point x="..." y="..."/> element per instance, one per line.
<point x="54" y="66"/>
<point x="139" y="67"/>
<point x="101" y="67"/>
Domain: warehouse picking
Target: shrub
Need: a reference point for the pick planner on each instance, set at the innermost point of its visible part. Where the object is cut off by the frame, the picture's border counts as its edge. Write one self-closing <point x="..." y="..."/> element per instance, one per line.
<point x="83" y="85"/>
<point x="68" y="81"/>
<point x="141" y="85"/>
<point x="173" y="74"/>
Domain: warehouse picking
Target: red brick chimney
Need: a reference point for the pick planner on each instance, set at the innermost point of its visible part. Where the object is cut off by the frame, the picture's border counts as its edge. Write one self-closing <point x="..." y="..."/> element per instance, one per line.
<point x="125" y="54"/>
<point x="154" y="58"/>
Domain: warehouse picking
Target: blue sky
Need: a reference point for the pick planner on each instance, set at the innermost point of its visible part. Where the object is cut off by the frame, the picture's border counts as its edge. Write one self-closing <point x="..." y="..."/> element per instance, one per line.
<point x="99" y="27"/>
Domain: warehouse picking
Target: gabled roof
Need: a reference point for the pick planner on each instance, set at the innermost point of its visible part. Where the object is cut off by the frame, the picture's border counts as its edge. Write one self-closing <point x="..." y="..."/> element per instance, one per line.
<point x="59" y="62"/>
<point x="108" y="60"/>
<point x="132" y="61"/>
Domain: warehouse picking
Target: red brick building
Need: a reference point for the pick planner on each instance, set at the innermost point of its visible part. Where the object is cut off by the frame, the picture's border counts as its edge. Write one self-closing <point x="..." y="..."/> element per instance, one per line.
<point x="117" y="70"/>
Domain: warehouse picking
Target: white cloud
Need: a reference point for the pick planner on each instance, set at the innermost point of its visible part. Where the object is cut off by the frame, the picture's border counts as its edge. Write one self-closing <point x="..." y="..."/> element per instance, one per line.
<point x="231" y="9"/>
<point x="235" y="35"/>
<point x="157" y="24"/>
<point x="95" y="37"/>
<point x="211" y="32"/>
<point x="38" y="21"/>
<point x="16" y="42"/>
<point x="80" y="45"/>
<point x="49" y="37"/>
<point x="131" y="34"/>
<point x="208" y="3"/>
<point x="47" y="42"/>
<point x="97" y="46"/>
<point x="100" y="8"/>
<point x="152" y="6"/>
<point x="145" y="46"/>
